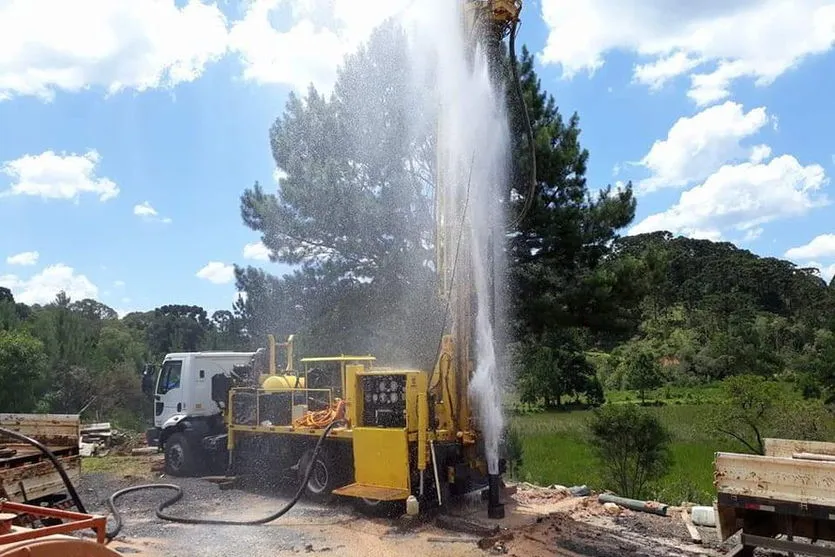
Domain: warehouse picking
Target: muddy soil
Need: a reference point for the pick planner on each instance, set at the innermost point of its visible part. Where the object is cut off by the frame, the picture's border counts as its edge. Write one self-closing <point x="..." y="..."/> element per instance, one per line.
<point x="537" y="524"/>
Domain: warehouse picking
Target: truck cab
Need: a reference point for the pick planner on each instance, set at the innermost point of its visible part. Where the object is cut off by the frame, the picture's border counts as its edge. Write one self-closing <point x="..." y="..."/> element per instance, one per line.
<point x="184" y="412"/>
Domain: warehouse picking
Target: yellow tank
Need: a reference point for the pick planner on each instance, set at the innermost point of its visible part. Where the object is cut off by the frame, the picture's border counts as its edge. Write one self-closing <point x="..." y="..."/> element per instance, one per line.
<point x="278" y="382"/>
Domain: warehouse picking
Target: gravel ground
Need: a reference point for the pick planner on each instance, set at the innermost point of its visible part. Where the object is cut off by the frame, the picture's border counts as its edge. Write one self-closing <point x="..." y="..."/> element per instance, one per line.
<point x="294" y="532"/>
<point x="567" y="527"/>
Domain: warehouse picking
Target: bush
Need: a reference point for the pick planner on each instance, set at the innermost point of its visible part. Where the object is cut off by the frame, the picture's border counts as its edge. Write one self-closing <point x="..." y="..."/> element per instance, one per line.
<point x="513" y="450"/>
<point x="632" y="447"/>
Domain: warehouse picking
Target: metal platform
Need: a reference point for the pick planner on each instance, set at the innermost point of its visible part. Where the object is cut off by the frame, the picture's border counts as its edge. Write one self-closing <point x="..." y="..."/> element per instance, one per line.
<point x="364" y="491"/>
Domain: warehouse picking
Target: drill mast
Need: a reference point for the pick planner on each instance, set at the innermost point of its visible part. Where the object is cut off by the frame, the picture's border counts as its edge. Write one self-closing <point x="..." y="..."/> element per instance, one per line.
<point x="484" y="22"/>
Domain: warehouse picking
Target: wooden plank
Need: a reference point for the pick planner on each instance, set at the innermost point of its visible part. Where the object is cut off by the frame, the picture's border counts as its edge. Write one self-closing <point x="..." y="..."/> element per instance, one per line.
<point x="726" y="521"/>
<point x="101" y="426"/>
<point x="782" y="479"/>
<point x="49" y="429"/>
<point x="814" y="456"/>
<point x="39" y="479"/>
<point x="695" y="537"/>
<point x="785" y="448"/>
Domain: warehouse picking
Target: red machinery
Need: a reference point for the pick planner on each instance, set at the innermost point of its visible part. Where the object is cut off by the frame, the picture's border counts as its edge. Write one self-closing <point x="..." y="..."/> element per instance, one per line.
<point x="53" y="540"/>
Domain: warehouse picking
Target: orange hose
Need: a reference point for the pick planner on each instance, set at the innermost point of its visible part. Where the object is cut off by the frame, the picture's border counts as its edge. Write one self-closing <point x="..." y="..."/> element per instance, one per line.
<point x="322" y="418"/>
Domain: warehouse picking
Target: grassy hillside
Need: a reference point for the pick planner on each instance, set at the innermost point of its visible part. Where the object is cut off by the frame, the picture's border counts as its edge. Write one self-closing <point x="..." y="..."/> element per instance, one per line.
<point x="556" y="448"/>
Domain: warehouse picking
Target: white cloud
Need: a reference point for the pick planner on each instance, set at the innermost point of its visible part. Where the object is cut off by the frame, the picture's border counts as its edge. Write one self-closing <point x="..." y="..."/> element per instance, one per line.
<point x="44" y="286"/>
<point x="24" y="258"/>
<point x="138" y="45"/>
<point x="759" y="153"/>
<point x="279" y="174"/>
<point x="696" y="146"/>
<point x="742" y="197"/>
<point x="820" y="246"/>
<point x="46" y="46"/>
<point x="752" y="234"/>
<point x="147" y="212"/>
<point x="257" y="251"/>
<point x="714" y="42"/>
<point x="309" y="47"/>
<point x="217" y="272"/>
<point x="119" y="283"/>
<point x="58" y="176"/>
<point x="827" y="271"/>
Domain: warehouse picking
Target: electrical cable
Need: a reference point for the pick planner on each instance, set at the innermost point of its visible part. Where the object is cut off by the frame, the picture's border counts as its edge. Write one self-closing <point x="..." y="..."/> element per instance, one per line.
<point x="55" y="462"/>
<point x="518" y="82"/>
<point x="111" y="502"/>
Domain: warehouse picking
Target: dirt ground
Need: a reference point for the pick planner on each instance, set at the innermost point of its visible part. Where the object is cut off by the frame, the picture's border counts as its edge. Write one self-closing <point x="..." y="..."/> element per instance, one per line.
<point x="538" y="522"/>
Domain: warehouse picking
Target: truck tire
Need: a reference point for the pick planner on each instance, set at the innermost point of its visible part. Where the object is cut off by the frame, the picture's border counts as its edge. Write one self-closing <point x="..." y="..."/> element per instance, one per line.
<point x="179" y="456"/>
<point x="323" y="479"/>
<point x="380" y="509"/>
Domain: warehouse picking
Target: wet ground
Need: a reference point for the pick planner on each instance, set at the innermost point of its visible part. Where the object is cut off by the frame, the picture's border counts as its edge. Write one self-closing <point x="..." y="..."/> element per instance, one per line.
<point x="539" y="522"/>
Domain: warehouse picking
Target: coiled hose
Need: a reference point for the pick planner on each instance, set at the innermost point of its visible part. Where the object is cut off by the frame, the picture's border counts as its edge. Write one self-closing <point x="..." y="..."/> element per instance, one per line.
<point x="111" y="502"/>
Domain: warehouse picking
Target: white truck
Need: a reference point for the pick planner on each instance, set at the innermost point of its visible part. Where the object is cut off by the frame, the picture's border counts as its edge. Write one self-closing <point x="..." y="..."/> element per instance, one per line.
<point x="188" y="423"/>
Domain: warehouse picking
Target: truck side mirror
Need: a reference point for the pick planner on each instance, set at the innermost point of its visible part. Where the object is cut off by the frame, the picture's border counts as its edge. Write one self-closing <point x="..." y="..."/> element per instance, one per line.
<point x="149" y="376"/>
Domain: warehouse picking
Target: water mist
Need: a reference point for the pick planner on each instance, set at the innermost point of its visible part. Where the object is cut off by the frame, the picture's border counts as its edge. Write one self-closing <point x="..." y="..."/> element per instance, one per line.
<point x="473" y="146"/>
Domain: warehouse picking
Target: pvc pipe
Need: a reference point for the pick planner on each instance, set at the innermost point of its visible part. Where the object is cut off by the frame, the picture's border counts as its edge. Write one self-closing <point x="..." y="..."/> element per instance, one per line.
<point x="634" y="504"/>
<point x="435" y="468"/>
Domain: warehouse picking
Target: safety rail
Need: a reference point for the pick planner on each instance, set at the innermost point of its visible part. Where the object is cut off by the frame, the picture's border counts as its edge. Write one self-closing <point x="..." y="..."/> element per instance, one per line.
<point x="275" y="407"/>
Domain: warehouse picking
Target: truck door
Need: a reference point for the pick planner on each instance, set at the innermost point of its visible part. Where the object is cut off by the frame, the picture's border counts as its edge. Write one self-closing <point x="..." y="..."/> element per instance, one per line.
<point x="169" y="394"/>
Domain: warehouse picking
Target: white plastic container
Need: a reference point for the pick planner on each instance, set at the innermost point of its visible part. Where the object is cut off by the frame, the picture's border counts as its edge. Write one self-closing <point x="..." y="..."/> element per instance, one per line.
<point x="703" y="516"/>
<point x="412" y="506"/>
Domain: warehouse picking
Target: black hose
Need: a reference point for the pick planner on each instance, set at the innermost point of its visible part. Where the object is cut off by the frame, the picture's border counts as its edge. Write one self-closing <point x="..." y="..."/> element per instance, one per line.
<point x="55" y="462"/>
<point x="111" y="502"/>
<point x="518" y="82"/>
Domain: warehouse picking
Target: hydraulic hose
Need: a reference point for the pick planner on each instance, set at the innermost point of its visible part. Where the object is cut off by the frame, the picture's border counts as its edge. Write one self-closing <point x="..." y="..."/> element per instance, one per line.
<point x="529" y="127"/>
<point x="111" y="502"/>
<point x="55" y="462"/>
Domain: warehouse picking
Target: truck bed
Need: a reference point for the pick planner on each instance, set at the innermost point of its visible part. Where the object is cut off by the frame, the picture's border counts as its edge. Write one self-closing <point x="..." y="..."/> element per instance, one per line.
<point x="779" y="478"/>
<point x="28" y="475"/>
<point x="789" y="491"/>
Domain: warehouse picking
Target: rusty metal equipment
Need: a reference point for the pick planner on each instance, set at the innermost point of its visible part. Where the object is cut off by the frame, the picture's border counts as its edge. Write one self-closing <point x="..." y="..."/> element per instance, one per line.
<point x="53" y="540"/>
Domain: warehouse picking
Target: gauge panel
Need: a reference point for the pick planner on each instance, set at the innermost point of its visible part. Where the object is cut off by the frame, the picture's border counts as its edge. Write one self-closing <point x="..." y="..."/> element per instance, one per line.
<point x="384" y="400"/>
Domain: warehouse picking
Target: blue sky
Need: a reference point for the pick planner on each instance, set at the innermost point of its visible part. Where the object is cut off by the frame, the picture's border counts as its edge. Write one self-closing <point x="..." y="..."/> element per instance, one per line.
<point x="130" y="131"/>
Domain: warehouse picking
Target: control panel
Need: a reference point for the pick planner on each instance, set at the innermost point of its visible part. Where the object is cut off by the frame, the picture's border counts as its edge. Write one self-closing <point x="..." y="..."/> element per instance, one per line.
<point x="384" y="400"/>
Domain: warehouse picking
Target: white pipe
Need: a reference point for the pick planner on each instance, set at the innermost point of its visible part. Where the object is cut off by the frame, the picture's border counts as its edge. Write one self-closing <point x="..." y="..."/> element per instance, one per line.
<point x="435" y="468"/>
<point x="421" y="483"/>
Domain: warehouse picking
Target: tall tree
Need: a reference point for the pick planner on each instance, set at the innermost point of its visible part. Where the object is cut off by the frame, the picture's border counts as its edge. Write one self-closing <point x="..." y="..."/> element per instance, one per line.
<point x="354" y="213"/>
<point x="22" y="366"/>
<point x="557" y="251"/>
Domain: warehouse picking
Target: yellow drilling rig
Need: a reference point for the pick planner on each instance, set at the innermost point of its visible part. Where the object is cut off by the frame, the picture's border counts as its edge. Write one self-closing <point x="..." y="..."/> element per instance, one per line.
<point x="403" y="434"/>
<point x="342" y="425"/>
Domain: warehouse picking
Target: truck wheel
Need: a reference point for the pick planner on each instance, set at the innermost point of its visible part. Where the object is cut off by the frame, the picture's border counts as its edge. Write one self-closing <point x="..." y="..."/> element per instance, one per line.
<point x="380" y="509"/>
<point x="179" y="457"/>
<point x="324" y="476"/>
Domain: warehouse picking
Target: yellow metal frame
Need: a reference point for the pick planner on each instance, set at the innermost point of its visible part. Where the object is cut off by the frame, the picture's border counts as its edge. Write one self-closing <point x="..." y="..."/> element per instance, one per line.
<point x="346" y="362"/>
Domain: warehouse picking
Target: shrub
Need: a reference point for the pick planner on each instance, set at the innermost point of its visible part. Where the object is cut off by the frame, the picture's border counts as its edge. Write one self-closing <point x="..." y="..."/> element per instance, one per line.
<point x="513" y="450"/>
<point x="632" y="447"/>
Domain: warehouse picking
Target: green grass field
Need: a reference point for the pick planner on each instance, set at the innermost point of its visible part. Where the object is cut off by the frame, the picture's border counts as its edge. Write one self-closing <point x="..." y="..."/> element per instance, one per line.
<point x="556" y="451"/>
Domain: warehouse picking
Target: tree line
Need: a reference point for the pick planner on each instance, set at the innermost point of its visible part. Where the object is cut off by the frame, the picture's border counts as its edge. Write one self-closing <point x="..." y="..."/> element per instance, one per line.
<point x="78" y="356"/>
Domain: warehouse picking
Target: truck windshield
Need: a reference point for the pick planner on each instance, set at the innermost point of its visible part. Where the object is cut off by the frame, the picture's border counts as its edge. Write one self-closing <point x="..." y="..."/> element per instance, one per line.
<point x="169" y="376"/>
